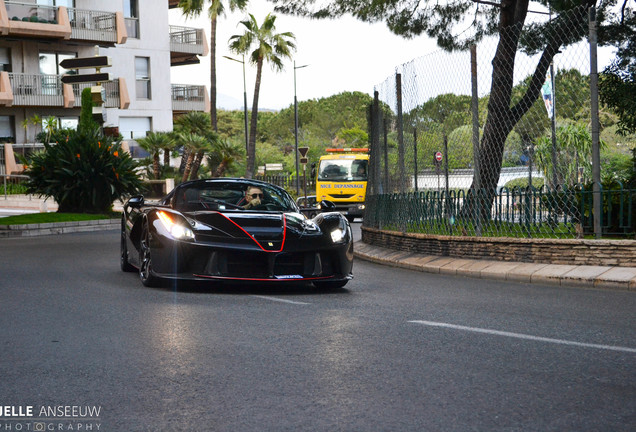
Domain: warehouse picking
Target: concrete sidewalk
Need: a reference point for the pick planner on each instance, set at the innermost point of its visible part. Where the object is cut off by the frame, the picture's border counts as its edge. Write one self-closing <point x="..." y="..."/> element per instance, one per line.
<point x="620" y="278"/>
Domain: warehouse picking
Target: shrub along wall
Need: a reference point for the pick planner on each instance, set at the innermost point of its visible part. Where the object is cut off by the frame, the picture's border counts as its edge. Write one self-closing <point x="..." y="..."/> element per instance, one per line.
<point x="549" y="251"/>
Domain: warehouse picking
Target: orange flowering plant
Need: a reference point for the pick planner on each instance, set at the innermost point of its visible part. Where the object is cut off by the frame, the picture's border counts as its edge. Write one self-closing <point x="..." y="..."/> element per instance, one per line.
<point x="84" y="173"/>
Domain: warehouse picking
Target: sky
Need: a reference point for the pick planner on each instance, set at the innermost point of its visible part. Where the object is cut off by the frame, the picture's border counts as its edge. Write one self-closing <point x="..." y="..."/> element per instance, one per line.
<point x="341" y="55"/>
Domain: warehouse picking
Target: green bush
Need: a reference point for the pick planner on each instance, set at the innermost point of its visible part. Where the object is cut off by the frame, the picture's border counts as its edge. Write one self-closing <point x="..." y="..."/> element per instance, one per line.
<point x="522" y="183"/>
<point x="83" y="171"/>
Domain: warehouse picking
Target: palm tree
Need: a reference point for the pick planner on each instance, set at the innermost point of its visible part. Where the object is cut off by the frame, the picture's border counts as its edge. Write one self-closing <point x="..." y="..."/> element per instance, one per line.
<point x="154" y="143"/>
<point x="194" y="8"/>
<point x="194" y="143"/>
<point x="225" y="154"/>
<point x="197" y="123"/>
<point x="269" y="46"/>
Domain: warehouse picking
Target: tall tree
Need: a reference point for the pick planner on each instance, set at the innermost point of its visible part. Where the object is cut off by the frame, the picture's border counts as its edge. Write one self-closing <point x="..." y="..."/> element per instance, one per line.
<point x="266" y="46"/>
<point x="194" y="8"/>
<point x="446" y="22"/>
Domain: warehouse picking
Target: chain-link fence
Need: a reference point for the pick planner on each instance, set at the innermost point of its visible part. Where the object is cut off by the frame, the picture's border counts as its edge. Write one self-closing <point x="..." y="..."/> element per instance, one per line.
<point x="497" y="141"/>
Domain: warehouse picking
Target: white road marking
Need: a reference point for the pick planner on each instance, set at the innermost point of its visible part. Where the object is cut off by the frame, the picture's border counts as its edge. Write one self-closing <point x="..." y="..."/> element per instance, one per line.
<point x="280" y="300"/>
<point x="524" y="336"/>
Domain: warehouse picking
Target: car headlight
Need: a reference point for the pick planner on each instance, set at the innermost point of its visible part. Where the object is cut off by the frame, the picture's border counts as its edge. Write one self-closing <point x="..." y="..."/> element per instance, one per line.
<point x="178" y="231"/>
<point x="338" y="235"/>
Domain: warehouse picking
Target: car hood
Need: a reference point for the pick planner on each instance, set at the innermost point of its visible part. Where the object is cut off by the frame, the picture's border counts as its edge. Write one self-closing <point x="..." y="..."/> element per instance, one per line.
<point x="268" y="230"/>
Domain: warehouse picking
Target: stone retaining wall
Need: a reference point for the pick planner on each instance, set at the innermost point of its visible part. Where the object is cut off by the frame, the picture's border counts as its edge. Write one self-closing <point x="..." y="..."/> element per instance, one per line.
<point x="549" y="251"/>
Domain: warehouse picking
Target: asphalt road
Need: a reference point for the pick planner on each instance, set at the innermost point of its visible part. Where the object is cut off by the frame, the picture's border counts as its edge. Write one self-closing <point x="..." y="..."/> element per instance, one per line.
<point x="394" y="351"/>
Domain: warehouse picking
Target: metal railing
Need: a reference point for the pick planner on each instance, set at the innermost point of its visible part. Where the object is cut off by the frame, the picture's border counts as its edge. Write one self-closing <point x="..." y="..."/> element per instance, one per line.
<point x="14" y="185"/>
<point x="30" y="12"/>
<point x="188" y="97"/>
<point x="288" y="182"/>
<point x="112" y="93"/>
<point x="93" y="25"/>
<point x="36" y="90"/>
<point x="186" y="40"/>
<point x="520" y="212"/>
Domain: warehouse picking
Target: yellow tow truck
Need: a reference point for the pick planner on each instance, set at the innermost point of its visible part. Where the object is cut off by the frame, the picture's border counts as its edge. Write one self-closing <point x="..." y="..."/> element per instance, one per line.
<point x="341" y="178"/>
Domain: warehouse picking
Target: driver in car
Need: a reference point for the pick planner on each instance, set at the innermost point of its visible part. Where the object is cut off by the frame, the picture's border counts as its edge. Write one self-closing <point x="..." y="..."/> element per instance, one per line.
<point x="253" y="197"/>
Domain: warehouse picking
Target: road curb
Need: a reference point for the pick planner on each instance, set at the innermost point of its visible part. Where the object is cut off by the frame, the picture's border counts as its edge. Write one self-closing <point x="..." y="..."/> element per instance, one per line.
<point x="571" y="276"/>
<point x="32" y="230"/>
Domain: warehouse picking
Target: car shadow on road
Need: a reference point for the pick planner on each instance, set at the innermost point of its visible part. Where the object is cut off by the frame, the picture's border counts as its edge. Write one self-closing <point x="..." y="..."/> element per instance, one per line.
<point x="252" y="288"/>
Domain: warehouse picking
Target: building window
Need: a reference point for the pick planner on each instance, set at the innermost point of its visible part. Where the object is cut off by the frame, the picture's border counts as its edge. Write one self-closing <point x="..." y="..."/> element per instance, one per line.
<point x="6" y="129"/>
<point x="131" y="17"/>
<point x="5" y="59"/>
<point x="67" y="3"/>
<point x="50" y="63"/>
<point x="59" y="123"/>
<point x="142" y="77"/>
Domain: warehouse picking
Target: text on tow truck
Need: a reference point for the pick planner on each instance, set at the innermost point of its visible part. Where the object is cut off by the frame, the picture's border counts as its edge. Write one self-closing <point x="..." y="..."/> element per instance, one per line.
<point x="342" y="179"/>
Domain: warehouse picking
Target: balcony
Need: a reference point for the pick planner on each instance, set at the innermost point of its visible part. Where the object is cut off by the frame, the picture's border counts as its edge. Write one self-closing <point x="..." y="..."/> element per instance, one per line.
<point x="97" y="26"/>
<point x="48" y="91"/>
<point x="50" y="22"/>
<point x="186" y="98"/>
<point x="186" y="44"/>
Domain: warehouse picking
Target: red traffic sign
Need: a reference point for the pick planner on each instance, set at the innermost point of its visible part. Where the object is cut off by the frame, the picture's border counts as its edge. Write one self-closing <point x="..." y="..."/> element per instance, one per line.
<point x="303" y="151"/>
<point x="86" y="62"/>
<point x="85" y="78"/>
<point x="304" y="160"/>
<point x="439" y="156"/>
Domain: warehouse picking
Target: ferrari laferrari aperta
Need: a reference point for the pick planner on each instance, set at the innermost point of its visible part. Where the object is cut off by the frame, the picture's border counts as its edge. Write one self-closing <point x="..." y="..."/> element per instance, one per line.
<point x="234" y="230"/>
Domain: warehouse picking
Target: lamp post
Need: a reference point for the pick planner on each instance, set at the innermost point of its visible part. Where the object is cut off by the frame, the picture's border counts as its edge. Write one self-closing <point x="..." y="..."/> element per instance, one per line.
<point x="244" y="98"/>
<point x="296" y="127"/>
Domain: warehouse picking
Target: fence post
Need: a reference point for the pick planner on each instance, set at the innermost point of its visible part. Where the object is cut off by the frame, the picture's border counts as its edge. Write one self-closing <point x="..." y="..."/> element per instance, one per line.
<point x="475" y="115"/>
<point x="596" y="155"/>
<point x="415" y="157"/>
<point x="375" y="142"/>
<point x="385" y="131"/>
<point x="400" y="131"/>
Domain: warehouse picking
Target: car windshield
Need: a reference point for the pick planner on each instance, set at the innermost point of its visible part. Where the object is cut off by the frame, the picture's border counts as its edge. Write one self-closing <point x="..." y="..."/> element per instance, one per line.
<point x="343" y="170"/>
<point x="215" y="195"/>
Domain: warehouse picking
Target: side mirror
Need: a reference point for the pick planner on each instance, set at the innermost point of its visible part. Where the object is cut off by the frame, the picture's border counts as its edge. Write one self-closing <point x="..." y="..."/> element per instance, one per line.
<point x="313" y="170"/>
<point x="327" y="205"/>
<point x="136" y="201"/>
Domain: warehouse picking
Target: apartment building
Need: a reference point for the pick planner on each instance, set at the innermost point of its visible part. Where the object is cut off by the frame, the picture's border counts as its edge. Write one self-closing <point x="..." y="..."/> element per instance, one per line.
<point x="36" y="35"/>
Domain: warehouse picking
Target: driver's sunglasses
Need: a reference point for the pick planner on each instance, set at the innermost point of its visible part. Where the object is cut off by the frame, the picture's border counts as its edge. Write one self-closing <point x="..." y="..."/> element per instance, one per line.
<point x="257" y="195"/>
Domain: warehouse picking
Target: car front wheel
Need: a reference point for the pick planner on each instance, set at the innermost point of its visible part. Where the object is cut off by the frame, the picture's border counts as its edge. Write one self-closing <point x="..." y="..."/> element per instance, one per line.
<point x="145" y="260"/>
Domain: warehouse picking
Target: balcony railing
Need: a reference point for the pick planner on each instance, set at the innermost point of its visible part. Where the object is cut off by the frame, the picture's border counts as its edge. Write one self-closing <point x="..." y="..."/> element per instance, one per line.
<point x="47" y="90"/>
<point x="61" y="22"/>
<point x="36" y="90"/>
<point x="188" y="97"/>
<point x="111" y="88"/>
<point x="187" y="40"/>
<point x="30" y="12"/>
<point x="93" y="25"/>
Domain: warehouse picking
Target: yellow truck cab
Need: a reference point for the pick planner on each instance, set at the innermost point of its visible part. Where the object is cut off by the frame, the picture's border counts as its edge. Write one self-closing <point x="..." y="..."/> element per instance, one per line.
<point x="341" y="178"/>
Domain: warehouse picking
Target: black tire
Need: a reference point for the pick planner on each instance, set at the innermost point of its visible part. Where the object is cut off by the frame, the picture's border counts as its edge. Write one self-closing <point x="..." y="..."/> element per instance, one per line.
<point x="350" y="218"/>
<point x="123" y="258"/>
<point x="145" y="260"/>
<point x="330" y="284"/>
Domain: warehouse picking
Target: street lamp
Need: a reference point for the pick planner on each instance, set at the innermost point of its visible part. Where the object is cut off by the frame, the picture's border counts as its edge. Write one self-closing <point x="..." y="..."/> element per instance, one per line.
<point x="296" y="127"/>
<point x="244" y="97"/>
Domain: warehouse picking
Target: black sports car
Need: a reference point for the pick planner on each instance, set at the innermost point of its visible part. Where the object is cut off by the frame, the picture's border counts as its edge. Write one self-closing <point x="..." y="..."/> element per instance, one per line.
<point x="234" y="230"/>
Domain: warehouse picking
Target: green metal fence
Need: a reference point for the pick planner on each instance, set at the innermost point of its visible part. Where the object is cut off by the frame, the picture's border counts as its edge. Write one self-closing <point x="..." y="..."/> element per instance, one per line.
<point x="527" y="212"/>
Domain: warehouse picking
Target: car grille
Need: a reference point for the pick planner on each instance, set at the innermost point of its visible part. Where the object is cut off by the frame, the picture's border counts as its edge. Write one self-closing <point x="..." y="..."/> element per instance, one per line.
<point x="261" y="265"/>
